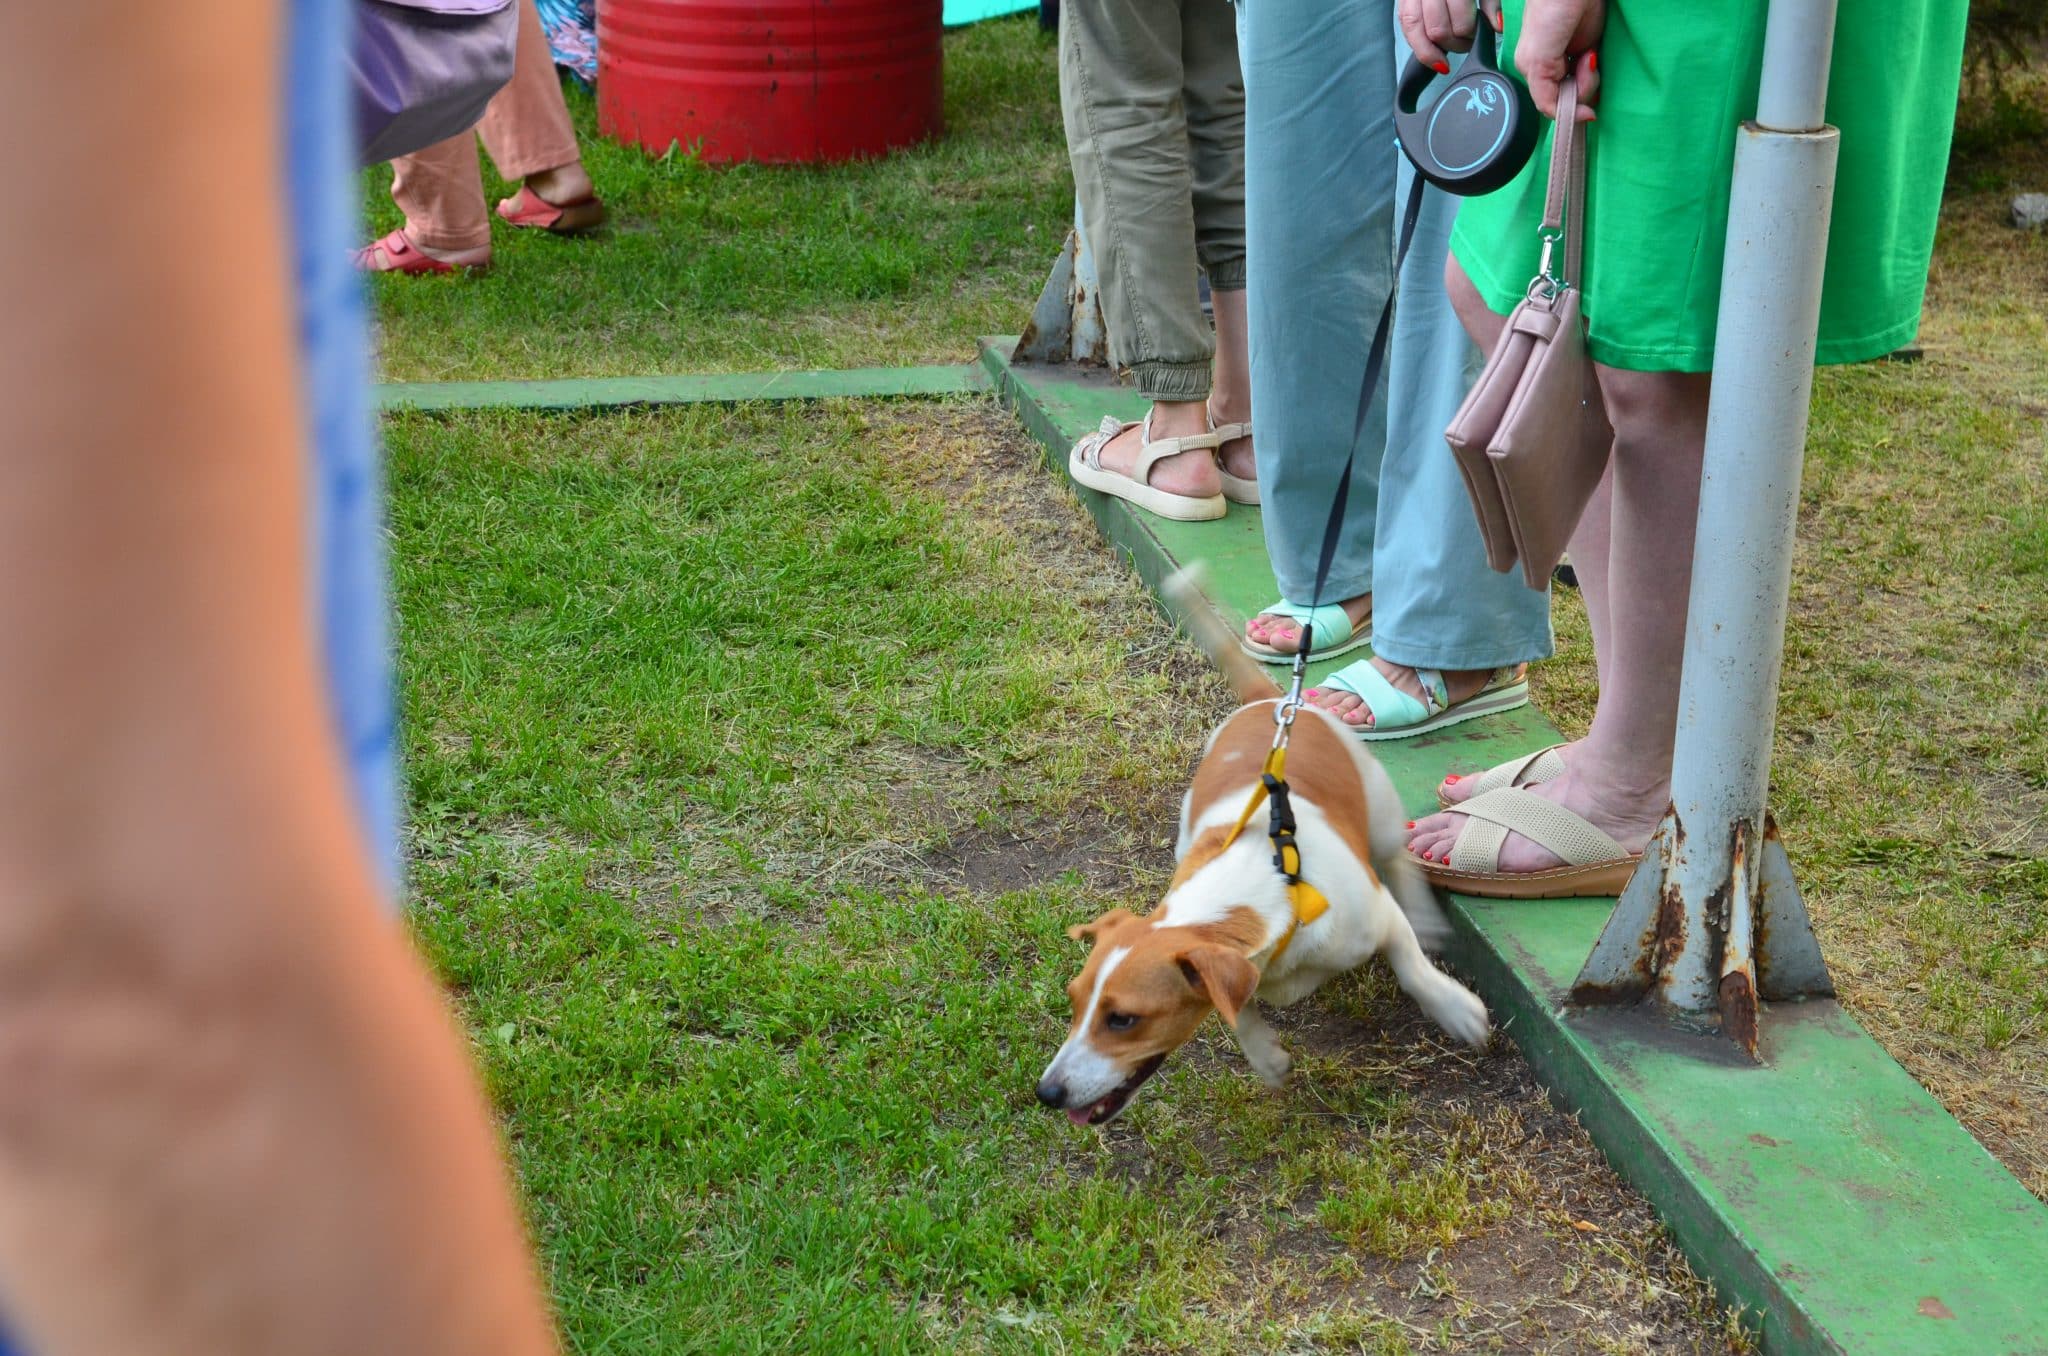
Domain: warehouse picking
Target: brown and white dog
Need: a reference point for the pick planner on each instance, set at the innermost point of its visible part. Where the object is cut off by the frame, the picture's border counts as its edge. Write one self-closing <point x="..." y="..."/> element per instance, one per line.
<point x="1150" y="981"/>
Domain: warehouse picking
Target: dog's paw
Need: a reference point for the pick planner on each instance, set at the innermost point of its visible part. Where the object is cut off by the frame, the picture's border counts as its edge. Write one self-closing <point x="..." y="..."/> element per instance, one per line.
<point x="1459" y="1012"/>
<point x="1271" y="1067"/>
<point x="1267" y="1056"/>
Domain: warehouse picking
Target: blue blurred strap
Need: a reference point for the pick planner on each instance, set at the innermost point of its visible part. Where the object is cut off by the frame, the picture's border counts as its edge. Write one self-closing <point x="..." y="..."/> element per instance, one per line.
<point x="323" y="200"/>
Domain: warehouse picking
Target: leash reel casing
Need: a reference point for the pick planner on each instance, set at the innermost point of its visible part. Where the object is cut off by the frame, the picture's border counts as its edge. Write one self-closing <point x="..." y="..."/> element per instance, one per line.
<point x="1479" y="130"/>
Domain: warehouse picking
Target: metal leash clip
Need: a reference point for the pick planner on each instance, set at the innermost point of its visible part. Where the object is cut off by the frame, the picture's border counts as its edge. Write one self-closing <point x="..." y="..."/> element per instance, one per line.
<point x="1290" y="705"/>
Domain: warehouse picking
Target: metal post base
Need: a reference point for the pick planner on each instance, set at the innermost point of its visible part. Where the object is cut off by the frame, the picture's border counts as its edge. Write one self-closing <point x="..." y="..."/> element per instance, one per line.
<point x="1066" y="325"/>
<point x="1759" y="939"/>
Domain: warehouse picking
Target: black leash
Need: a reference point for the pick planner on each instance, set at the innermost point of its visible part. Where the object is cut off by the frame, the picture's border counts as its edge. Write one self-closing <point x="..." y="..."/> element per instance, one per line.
<point x="1308" y="902"/>
<point x="1375" y="360"/>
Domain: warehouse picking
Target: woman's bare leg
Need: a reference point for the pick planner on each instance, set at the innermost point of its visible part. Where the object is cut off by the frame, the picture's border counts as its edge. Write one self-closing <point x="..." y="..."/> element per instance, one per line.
<point x="1230" y="399"/>
<point x="1619" y="776"/>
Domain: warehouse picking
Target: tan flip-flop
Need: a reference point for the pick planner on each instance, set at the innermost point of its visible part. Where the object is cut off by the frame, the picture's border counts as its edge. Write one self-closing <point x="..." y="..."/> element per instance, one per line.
<point x="1084" y="464"/>
<point x="1527" y="770"/>
<point x="1594" y="864"/>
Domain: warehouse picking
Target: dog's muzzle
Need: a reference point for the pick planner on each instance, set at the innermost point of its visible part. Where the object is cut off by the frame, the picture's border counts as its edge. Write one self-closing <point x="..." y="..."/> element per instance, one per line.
<point x="1104" y="1109"/>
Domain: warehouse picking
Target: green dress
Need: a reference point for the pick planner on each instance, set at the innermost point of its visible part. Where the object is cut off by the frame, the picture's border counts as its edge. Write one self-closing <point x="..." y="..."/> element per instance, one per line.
<point x="1677" y="77"/>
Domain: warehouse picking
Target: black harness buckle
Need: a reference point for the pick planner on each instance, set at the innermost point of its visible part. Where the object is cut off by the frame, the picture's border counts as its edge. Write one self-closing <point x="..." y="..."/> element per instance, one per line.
<point x="1280" y="828"/>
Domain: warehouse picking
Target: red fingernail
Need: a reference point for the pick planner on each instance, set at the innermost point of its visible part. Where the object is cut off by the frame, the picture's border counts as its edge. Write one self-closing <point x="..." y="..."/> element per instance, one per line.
<point x="1592" y="63"/>
<point x="1411" y="823"/>
<point x="1497" y="23"/>
<point x="1443" y="68"/>
<point x="1452" y="777"/>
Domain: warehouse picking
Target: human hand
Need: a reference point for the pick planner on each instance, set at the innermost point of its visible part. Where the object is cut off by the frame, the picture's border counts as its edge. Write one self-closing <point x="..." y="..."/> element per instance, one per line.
<point x="1435" y="28"/>
<point x="1558" y="39"/>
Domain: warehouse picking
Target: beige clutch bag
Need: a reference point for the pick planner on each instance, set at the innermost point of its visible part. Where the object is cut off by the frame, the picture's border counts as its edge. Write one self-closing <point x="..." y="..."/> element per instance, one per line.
<point x="1532" y="437"/>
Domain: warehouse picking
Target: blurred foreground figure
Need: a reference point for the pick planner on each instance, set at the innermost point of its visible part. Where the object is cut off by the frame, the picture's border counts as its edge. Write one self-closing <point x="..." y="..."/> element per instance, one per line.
<point x="234" y="1115"/>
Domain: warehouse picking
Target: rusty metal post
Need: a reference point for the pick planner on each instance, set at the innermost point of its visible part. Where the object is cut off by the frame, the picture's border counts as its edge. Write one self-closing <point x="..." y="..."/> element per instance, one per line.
<point x="1066" y="324"/>
<point x="1712" y="920"/>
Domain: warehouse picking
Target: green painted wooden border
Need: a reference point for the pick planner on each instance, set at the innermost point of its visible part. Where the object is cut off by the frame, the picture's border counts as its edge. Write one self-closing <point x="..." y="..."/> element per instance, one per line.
<point x="590" y="393"/>
<point x="1824" y="1190"/>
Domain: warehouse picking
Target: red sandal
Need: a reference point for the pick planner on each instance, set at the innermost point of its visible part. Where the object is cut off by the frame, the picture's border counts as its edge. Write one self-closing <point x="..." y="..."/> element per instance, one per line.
<point x="528" y="208"/>
<point x="396" y="253"/>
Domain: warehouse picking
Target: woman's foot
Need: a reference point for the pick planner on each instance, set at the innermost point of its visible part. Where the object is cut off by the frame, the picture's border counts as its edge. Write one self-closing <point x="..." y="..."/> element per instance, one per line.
<point x="1628" y="819"/>
<point x="1462" y="685"/>
<point x="1465" y="785"/>
<point x="563" y="184"/>
<point x="1191" y="474"/>
<point x="1283" y="633"/>
<point x="560" y="200"/>
<point x="399" y="253"/>
<point x="1234" y="457"/>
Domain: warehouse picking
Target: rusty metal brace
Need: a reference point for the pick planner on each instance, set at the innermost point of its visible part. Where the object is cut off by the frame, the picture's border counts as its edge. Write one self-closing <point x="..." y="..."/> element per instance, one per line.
<point x="1752" y="941"/>
<point x="1066" y="325"/>
<point x="1712" y="922"/>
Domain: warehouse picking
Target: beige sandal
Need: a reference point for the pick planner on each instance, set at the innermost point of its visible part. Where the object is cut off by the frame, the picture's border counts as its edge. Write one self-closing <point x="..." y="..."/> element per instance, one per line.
<point x="1236" y="489"/>
<point x="1594" y="864"/>
<point x="1084" y="464"/>
<point x="1527" y="770"/>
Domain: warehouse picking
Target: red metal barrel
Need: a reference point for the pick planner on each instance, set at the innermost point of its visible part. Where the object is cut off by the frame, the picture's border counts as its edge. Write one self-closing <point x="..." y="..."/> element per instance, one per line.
<point x="771" y="80"/>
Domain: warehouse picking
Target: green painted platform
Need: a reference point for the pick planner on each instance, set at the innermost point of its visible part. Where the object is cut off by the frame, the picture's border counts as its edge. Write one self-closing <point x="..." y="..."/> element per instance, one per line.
<point x="591" y="393"/>
<point x="1825" y="1190"/>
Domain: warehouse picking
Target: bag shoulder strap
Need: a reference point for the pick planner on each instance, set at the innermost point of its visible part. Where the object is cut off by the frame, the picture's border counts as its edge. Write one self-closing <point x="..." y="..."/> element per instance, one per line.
<point x="1564" y="206"/>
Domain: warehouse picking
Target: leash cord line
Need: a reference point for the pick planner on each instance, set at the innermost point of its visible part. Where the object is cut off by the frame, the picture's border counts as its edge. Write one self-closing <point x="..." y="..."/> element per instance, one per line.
<point x="1308" y="902"/>
<point x="1375" y="360"/>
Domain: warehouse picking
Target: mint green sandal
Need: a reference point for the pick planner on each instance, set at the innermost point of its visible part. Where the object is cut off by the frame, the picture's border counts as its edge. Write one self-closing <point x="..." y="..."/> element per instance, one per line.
<point x="1328" y="620"/>
<point x="1396" y="715"/>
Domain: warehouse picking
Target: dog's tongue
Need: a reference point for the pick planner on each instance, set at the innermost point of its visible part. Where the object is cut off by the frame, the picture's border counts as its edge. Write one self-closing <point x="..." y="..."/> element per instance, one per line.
<point x="1079" y="1114"/>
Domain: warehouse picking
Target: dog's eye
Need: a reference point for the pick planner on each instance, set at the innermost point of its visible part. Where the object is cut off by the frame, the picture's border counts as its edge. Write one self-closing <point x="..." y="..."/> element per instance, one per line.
<point x="1122" y="1021"/>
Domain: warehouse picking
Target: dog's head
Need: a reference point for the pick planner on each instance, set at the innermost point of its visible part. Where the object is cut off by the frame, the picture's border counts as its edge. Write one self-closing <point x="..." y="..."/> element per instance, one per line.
<point x="1141" y="995"/>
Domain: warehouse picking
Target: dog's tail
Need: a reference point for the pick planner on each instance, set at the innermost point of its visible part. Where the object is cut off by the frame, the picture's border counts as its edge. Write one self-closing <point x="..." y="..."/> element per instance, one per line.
<point x="1247" y="677"/>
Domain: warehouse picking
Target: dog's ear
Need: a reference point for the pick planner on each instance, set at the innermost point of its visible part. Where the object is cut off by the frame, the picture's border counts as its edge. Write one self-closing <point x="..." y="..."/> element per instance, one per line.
<point x="1087" y="932"/>
<point x="1222" y="975"/>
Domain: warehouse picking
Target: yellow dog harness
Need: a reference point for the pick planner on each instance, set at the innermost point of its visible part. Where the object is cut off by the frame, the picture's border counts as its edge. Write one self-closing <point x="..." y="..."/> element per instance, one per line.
<point x="1308" y="901"/>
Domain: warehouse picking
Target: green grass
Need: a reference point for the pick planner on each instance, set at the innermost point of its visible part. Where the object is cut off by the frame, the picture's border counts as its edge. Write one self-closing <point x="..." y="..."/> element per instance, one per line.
<point x="759" y="760"/>
<point x="897" y="261"/>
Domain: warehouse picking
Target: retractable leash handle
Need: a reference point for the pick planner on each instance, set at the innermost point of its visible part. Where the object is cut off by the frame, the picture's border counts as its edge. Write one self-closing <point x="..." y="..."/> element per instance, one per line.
<point x="1479" y="130"/>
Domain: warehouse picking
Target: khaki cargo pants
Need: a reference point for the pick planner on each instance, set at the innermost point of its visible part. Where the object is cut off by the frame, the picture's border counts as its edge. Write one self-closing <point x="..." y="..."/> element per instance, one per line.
<point x="1154" y="107"/>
